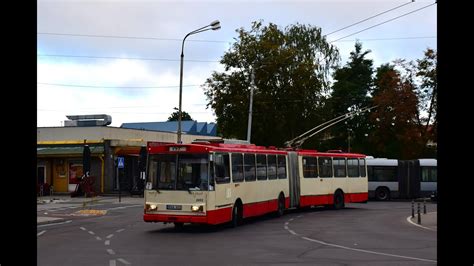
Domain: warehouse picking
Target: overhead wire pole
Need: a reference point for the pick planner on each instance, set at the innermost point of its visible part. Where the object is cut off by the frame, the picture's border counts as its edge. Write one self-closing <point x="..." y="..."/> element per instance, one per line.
<point x="249" y="125"/>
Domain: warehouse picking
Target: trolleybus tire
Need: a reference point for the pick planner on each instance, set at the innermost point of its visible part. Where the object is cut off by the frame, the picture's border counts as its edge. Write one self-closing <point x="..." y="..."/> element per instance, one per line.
<point x="281" y="205"/>
<point x="236" y="214"/>
<point x="338" y="200"/>
<point x="382" y="194"/>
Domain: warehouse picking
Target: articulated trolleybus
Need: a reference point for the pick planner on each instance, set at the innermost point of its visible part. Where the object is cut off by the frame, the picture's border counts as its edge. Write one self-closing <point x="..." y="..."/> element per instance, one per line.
<point x="215" y="183"/>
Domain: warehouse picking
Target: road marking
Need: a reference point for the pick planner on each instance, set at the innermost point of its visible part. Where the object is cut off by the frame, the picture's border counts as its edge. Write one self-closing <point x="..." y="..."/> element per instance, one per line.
<point x="43" y="225"/>
<point x="360" y="250"/>
<point x="82" y="228"/>
<point x="98" y="238"/>
<point x="299" y="216"/>
<point x="110" y="251"/>
<point x="123" y="261"/>
<point x="107" y="242"/>
<point x="287" y="223"/>
<point x="112" y="263"/>
<point x="291" y="219"/>
<point x="110" y="236"/>
<point x="410" y="221"/>
<point x="120" y="230"/>
<point x="366" y="251"/>
<point x="92" y="233"/>
<point x="123" y="207"/>
<point x="40" y="233"/>
<point x="286" y="227"/>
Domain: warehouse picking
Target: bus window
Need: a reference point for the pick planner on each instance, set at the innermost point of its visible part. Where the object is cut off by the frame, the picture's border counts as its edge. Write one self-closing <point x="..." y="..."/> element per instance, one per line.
<point x="272" y="167"/>
<point x="310" y="167"/>
<point x="428" y="174"/>
<point x="261" y="167"/>
<point x="221" y="166"/>
<point x="383" y="173"/>
<point x="249" y="167"/>
<point x="237" y="167"/>
<point x="325" y="167"/>
<point x="353" y="167"/>
<point x="362" y="167"/>
<point x="281" y="171"/>
<point x="339" y="167"/>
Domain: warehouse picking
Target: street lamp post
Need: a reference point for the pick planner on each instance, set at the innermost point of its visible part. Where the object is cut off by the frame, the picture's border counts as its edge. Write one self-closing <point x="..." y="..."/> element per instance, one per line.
<point x="215" y="25"/>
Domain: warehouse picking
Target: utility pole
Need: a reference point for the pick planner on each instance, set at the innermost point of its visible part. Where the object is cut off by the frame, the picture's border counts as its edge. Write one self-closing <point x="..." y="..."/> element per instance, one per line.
<point x="252" y="85"/>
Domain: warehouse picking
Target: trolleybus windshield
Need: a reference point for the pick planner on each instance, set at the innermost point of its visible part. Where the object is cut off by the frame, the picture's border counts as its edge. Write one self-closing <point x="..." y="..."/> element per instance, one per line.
<point x="179" y="171"/>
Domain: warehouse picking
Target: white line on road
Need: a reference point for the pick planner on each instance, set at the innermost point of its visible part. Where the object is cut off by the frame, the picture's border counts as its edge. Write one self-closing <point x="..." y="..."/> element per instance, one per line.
<point x="43" y="225"/>
<point x="40" y="233"/>
<point x="123" y="207"/>
<point x="92" y="233"/>
<point x="82" y="228"/>
<point x="410" y="221"/>
<point x="366" y="251"/>
<point x="123" y="261"/>
<point x="110" y="236"/>
<point x="98" y="238"/>
<point x="112" y="263"/>
<point x="107" y="242"/>
<point x="120" y="230"/>
<point x="286" y="227"/>
<point x="292" y="232"/>
<point x="110" y="251"/>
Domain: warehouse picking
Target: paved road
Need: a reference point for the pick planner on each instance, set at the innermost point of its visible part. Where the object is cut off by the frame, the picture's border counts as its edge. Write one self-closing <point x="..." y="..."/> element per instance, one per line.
<point x="375" y="233"/>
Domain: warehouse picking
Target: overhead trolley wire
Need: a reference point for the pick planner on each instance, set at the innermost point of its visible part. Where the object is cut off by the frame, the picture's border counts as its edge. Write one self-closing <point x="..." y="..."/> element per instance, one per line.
<point x="369" y="18"/>
<point x="416" y="10"/>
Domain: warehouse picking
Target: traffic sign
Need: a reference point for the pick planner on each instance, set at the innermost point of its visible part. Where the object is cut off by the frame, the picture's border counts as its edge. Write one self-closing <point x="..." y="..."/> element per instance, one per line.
<point x="120" y="162"/>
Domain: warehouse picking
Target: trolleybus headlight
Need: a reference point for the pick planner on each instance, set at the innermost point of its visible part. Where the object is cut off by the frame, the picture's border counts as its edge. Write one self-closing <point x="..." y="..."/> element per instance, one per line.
<point x="151" y="207"/>
<point x="197" y="208"/>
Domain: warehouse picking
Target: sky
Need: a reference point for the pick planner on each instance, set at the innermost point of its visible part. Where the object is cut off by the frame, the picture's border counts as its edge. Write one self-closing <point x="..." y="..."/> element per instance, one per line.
<point x="144" y="87"/>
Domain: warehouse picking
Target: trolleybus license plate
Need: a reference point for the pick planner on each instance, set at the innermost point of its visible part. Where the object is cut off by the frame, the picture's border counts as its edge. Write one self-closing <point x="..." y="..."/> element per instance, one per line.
<point x="173" y="207"/>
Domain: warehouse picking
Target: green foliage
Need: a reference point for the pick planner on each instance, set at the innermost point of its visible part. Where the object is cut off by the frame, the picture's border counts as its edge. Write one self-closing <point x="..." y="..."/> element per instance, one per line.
<point x="291" y="67"/>
<point x="175" y="116"/>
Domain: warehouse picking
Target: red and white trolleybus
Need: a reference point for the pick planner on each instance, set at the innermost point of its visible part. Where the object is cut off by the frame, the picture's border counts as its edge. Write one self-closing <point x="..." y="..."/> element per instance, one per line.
<point x="214" y="183"/>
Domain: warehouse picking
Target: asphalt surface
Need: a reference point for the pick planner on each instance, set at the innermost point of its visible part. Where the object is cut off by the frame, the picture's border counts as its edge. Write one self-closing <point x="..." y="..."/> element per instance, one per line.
<point x="376" y="233"/>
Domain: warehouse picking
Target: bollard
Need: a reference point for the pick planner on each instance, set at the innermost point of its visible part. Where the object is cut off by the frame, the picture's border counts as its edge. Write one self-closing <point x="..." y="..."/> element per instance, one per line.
<point x="419" y="214"/>
<point x="413" y="209"/>
<point x="424" y="206"/>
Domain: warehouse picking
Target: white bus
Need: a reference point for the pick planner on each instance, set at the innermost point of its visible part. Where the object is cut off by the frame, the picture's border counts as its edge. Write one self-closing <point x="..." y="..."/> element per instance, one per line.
<point x="405" y="179"/>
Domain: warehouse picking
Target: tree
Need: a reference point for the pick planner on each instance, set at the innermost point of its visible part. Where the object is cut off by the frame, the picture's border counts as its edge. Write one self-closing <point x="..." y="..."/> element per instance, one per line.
<point x="175" y="116"/>
<point x="428" y="94"/>
<point x="394" y="132"/>
<point x="291" y="68"/>
<point x="350" y="92"/>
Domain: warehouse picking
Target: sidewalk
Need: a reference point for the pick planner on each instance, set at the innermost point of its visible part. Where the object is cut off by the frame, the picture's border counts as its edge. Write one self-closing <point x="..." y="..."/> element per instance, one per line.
<point x="428" y="220"/>
<point x="47" y="203"/>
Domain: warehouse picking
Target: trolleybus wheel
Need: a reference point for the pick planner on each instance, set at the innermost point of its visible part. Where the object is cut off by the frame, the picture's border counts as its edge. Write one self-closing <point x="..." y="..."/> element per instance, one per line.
<point x="236" y="215"/>
<point x="338" y="200"/>
<point x="382" y="194"/>
<point x="281" y="205"/>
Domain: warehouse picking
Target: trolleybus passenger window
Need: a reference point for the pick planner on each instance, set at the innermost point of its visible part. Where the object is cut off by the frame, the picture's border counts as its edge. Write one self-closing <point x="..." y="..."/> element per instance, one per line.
<point x="272" y="167"/>
<point x="221" y="166"/>
<point x="249" y="167"/>
<point x="384" y="173"/>
<point x="237" y="167"/>
<point x="325" y="167"/>
<point x="428" y="174"/>
<point x="310" y="167"/>
<point x="362" y="167"/>
<point x="339" y="167"/>
<point x="281" y="166"/>
<point x="353" y="167"/>
<point x="261" y="167"/>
